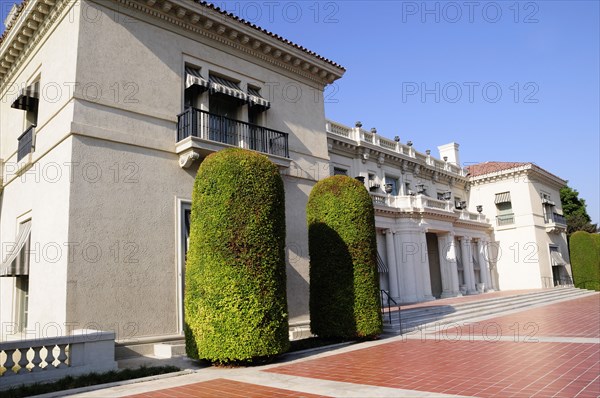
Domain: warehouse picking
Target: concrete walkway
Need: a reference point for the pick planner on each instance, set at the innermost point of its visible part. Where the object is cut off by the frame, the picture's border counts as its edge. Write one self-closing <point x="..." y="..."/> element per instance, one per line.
<point x="548" y="351"/>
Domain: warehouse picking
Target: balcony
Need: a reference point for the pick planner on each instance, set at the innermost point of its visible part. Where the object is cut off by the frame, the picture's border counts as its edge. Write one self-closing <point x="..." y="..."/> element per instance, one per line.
<point x="200" y="133"/>
<point x="425" y="204"/>
<point x="555" y="223"/>
<point x="505" y="219"/>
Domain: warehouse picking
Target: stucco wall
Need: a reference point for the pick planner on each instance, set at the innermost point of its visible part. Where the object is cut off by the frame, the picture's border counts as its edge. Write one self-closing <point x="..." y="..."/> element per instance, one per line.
<point x="40" y="190"/>
<point x="133" y="131"/>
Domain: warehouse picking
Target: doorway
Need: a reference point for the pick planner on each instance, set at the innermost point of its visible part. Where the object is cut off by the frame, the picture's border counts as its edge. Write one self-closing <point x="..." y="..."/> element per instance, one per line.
<point x="435" y="273"/>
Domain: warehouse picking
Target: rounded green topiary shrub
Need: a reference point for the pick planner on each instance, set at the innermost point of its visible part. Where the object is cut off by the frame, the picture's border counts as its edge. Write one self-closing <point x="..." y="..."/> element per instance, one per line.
<point x="585" y="260"/>
<point x="235" y="282"/>
<point x="344" y="283"/>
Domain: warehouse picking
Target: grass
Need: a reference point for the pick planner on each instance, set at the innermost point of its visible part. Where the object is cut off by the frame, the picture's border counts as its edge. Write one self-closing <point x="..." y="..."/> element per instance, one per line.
<point x="90" y="379"/>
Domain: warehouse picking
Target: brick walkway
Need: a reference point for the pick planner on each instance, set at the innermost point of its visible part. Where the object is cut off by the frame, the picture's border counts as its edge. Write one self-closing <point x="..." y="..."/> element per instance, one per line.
<point x="546" y="351"/>
<point x="223" y="388"/>
<point x="573" y="318"/>
<point x="485" y="367"/>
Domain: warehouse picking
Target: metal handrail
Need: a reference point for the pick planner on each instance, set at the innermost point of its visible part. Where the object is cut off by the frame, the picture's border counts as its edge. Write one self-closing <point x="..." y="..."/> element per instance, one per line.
<point x="390" y="299"/>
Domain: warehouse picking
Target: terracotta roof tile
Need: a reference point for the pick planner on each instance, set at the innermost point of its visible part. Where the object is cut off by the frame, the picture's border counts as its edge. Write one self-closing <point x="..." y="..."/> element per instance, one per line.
<point x="282" y="39"/>
<point x="493" y="167"/>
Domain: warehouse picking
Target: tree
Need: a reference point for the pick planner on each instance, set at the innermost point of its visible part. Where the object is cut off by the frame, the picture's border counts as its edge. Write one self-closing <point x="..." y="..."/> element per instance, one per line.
<point x="344" y="283"/>
<point x="574" y="210"/>
<point x="235" y="282"/>
<point x="585" y="260"/>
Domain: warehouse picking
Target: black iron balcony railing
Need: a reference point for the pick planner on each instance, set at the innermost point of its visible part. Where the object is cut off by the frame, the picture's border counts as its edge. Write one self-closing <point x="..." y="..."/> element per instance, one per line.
<point x="505" y="219"/>
<point x="25" y="141"/>
<point x="559" y="219"/>
<point x="209" y="126"/>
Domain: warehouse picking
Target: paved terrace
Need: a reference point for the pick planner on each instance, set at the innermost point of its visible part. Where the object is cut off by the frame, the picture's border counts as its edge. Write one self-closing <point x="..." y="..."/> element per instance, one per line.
<point x="550" y="350"/>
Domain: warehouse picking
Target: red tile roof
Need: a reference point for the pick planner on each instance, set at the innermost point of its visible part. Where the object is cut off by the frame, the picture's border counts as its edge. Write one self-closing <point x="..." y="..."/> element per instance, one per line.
<point x="286" y="41"/>
<point x="493" y="167"/>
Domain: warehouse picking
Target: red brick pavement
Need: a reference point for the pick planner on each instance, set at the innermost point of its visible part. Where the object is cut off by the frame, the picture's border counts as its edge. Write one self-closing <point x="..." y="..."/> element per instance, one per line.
<point x="223" y="388"/>
<point x="473" y="368"/>
<point x="573" y="318"/>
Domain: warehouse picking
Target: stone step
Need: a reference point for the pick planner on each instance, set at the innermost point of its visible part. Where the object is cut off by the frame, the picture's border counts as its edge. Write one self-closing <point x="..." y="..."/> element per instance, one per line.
<point x="147" y="347"/>
<point x="418" y="314"/>
<point x="169" y="349"/>
<point x="427" y="316"/>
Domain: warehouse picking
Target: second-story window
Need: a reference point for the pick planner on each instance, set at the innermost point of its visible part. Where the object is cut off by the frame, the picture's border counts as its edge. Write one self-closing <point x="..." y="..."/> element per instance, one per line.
<point x="338" y="171"/>
<point x="28" y="101"/>
<point x="391" y="183"/>
<point x="504" y="207"/>
<point x="195" y="85"/>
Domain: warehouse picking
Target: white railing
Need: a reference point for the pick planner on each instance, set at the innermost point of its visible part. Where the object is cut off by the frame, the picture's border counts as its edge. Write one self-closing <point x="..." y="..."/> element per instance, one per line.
<point x="359" y="135"/>
<point x="378" y="199"/>
<point x="422" y="202"/>
<point x="470" y="216"/>
<point x="51" y="358"/>
<point x="339" y="129"/>
<point x="431" y="203"/>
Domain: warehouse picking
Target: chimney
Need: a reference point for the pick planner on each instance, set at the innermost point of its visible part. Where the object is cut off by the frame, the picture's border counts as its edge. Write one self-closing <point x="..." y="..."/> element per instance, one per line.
<point x="451" y="151"/>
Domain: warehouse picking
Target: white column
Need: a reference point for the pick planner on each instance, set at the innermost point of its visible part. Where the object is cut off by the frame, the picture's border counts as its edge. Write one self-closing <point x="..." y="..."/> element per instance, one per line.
<point x="406" y="250"/>
<point x="426" y="280"/>
<point x="484" y="264"/>
<point x="448" y="266"/>
<point x="467" y="258"/>
<point x="392" y="264"/>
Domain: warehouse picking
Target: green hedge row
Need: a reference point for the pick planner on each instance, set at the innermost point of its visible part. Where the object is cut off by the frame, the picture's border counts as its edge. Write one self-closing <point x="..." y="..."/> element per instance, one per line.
<point x="344" y="283"/>
<point x="585" y="260"/>
<point x="235" y="282"/>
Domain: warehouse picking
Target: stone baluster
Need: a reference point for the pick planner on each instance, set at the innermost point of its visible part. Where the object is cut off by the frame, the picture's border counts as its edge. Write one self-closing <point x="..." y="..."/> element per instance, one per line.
<point x="23" y="361"/>
<point x="9" y="363"/>
<point x="37" y="359"/>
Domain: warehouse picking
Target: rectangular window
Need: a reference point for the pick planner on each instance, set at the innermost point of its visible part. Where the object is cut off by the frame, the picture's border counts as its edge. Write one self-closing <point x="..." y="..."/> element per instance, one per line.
<point x="338" y="171"/>
<point x="21" y="302"/>
<point x="393" y="182"/>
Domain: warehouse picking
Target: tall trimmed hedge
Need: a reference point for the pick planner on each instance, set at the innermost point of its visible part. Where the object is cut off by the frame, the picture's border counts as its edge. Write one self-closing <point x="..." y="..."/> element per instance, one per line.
<point x="235" y="282"/>
<point x="344" y="282"/>
<point x="585" y="260"/>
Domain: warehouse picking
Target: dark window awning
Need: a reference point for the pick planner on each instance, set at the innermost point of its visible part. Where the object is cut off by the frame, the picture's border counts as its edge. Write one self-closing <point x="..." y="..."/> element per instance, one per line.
<point x="194" y="80"/>
<point x="557" y="258"/>
<point x="17" y="260"/>
<point x="503" y="197"/>
<point x="227" y="87"/>
<point x="28" y="98"/>
<point x="255" y="99"/>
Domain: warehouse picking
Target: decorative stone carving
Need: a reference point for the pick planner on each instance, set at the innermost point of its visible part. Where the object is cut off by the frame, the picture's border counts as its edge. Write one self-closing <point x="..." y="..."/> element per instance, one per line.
<point x="186" y="159"/>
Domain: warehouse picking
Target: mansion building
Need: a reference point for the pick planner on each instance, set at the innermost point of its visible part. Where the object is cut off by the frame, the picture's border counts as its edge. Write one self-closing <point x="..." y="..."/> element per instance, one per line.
<point x="104" y="122"/>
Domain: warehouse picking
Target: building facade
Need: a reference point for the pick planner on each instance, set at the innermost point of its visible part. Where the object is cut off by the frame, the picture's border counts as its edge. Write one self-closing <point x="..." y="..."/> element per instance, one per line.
<point x="430" y="245"/>
<point x="530" y="242"/>
<point x="108" y="108"/>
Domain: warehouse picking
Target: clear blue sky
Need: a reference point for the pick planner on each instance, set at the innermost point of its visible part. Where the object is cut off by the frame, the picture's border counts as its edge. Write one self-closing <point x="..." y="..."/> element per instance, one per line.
<point x="509" y="81"/>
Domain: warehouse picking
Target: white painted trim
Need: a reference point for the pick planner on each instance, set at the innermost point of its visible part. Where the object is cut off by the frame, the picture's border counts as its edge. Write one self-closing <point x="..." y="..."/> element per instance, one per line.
<point x="180" y="205"/>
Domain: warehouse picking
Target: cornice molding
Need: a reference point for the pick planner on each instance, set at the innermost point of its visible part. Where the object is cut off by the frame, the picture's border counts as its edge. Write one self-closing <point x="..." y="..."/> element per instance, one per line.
<point x="37" y="17"/>
<point x="220" y="28"/>
<point x="531" y="171"/>
<point x="349" y="147"/>
<point x="26" y="32"/>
